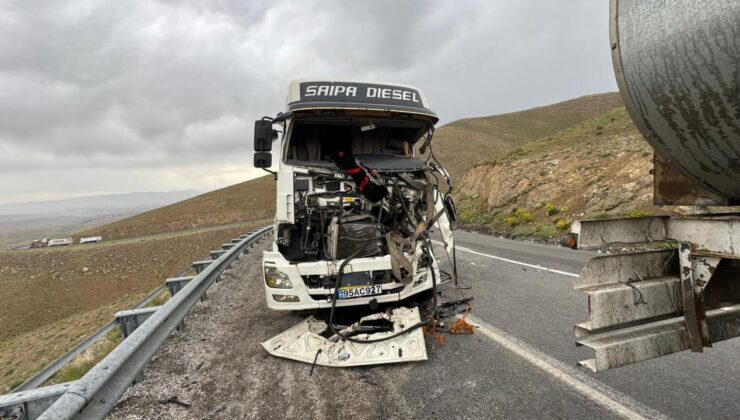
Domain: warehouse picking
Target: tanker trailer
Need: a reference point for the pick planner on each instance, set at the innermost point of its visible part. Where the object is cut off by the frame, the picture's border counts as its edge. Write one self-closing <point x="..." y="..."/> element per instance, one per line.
<point x="677" y="64"/>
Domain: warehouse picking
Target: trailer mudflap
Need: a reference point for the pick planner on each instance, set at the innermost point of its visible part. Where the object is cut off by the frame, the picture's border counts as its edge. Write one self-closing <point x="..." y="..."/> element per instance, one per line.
<point x="303" y="342"/>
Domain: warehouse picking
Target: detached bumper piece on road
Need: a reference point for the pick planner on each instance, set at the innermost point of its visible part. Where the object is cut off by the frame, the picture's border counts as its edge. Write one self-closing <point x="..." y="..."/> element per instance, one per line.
<point x="304" y="342"/>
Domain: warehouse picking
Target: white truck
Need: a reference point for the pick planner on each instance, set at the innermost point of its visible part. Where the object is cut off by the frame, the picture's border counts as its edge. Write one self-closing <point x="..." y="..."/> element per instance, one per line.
<point x="358" y="191"/>
<point x="59" y="242"/>
<point x="353" y="195"/>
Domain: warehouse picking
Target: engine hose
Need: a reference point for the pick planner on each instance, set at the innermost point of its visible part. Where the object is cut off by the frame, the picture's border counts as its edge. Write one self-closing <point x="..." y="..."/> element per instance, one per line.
<point x="420" y="324"/>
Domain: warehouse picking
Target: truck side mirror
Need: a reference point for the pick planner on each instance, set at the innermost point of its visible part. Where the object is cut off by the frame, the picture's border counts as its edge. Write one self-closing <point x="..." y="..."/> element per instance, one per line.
<point x="263" y="135"/>
<point x="262" y="160"/>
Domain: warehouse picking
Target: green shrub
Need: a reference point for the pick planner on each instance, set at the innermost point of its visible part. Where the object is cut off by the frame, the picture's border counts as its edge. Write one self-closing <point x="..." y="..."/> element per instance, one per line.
<point x="541" y="231"/>
<point x="636" y="213"/>
<point x="474" y="211"/>
<point x="552" y="210"/>
<point x="519" y="216"/>
<point x="597" y="216"/>
<point x="518" y="151"/>
<point x="562" y="224"/>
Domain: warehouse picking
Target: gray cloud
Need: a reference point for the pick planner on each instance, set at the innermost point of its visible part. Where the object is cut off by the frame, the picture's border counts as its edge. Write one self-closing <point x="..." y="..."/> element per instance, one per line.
<point x="150" y="95"/>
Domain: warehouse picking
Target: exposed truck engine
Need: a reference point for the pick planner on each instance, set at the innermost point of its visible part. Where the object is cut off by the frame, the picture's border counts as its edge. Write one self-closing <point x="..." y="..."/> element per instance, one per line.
<point x="352" y="186"/>
<point x="677" y="65"/>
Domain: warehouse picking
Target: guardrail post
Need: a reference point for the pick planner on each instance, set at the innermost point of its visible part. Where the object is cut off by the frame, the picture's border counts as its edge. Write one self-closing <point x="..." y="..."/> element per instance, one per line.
<point x="29" y="405"/>
<point x="236" y="241"/>
<point x="217" y="254"/>
<point x="227" y="246"/>
<point x="129" y="321"/>
<point x="175" y="284"/>
<point x="199" y="266"/>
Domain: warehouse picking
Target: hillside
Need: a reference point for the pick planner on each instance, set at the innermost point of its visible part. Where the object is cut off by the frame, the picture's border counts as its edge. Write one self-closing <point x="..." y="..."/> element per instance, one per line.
<point x="463" y="143"/>
<point x="63" y="294"/>
<point x="595" y="169"/>
<point x="246" y="201"/>
<point x="95" y="205"/>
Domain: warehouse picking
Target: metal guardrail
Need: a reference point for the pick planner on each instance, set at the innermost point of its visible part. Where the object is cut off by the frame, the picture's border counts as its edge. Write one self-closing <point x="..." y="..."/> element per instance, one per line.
<point x="52" y="368"/>
<point x="95" y="394"/>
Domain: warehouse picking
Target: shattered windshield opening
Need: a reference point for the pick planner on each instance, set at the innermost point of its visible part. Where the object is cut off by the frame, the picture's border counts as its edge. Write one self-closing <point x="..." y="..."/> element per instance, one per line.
<point x="386" y="142"/>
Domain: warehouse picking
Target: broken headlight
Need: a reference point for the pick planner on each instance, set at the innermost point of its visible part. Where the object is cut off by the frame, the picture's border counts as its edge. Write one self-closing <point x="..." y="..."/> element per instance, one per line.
<point x="276" y="279"/>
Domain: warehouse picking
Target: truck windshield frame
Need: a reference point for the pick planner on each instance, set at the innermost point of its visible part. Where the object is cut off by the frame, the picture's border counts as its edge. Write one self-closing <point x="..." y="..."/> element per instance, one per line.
<point x="312" y="141"/>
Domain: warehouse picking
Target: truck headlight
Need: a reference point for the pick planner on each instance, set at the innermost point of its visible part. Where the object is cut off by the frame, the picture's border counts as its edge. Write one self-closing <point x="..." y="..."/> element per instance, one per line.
<point x="286" y="298"/>
<point x="276" y="278"/>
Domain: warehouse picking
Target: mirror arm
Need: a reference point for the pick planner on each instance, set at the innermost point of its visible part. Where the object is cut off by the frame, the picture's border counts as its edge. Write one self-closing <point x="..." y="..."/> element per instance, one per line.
<point x="274" y="174"/>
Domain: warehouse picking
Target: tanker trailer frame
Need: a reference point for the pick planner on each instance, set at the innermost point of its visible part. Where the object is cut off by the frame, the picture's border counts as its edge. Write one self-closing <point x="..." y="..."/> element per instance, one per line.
<point x="677" y="67"/>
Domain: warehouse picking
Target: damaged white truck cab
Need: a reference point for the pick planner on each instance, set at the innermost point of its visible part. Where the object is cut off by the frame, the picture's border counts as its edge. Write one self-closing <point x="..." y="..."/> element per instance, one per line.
<point x="353" y="195"/>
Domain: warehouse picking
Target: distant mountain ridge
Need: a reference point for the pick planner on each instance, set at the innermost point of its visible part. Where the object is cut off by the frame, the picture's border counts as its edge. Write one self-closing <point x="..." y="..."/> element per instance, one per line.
<point x="98" y="204"/>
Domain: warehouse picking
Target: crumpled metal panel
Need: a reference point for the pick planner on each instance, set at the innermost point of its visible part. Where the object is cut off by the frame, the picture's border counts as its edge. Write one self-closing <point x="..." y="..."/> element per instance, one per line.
<point x="303" y="341"/>
<point x="676" y="63"/>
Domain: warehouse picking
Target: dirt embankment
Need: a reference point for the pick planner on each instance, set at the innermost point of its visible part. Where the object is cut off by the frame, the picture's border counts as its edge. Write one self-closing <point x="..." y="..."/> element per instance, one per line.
<point x="597" y="169"/>
<point x="55" y="297"/>
<point x="466" y="142"/>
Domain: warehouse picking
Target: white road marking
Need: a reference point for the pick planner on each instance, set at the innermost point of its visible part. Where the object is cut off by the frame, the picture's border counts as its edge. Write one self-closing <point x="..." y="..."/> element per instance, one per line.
<point x="538" y="267"/>
<point x="585" y="385"/>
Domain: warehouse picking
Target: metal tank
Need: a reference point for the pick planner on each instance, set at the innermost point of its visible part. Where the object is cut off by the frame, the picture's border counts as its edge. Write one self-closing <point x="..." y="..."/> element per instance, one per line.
<point x="677" y="63"/>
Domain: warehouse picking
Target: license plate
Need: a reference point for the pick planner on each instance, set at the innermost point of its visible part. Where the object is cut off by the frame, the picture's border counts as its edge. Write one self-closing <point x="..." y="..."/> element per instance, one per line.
<point x="350" y="292"/>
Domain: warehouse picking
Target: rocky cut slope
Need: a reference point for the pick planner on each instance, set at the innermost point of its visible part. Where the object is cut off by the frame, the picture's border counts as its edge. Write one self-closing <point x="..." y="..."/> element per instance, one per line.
<point x="463" y="143"/>
<point x="594" y="169"/>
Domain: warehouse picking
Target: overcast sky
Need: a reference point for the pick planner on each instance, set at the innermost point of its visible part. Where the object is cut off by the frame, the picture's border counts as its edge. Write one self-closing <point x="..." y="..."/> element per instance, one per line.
<point x="122" y="96"/>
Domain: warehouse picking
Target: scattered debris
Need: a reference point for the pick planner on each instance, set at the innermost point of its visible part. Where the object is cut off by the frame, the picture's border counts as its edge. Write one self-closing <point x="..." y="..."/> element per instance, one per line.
<point x="304" y="342"/>
<point x="462" y="327"/>
<point x="452" y="308"/>
<point x="173" y="400"/>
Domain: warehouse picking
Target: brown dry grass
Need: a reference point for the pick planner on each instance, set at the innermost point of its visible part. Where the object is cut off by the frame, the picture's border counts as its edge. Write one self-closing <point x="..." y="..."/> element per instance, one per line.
<point x="53" y="298"/>
<point x="461" y="144"/>
<point x="246" y="201"/>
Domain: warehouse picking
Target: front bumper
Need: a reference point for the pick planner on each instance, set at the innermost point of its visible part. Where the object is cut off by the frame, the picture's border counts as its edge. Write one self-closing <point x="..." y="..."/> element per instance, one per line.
<point x="320" y="297"/>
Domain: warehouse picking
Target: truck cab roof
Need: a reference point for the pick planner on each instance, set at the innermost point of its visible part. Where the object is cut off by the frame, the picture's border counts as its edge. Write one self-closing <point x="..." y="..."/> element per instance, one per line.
<point x="318" y="94"/>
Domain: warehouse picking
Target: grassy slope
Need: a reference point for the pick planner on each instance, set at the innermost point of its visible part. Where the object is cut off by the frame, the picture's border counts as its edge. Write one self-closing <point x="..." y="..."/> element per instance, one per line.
<point x="597" y="168"/>
<point x="63" y="294"/>
<point x="250" y="200"/>
<point x="463" y="143"/>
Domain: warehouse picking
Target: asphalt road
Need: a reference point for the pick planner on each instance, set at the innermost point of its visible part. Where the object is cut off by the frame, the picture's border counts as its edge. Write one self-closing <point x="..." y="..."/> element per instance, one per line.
<point x="540" y="308"/>
<point x="520" y="364"/>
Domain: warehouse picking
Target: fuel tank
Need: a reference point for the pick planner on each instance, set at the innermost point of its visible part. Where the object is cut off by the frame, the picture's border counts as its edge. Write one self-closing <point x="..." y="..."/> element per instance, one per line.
<point x="677" y="64"/>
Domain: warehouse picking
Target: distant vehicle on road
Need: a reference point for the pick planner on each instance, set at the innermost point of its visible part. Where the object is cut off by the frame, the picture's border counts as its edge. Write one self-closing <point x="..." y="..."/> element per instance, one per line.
<point x="39" y="243"/>
<point x="91" y="239"/>
<point x="60" y="242"/>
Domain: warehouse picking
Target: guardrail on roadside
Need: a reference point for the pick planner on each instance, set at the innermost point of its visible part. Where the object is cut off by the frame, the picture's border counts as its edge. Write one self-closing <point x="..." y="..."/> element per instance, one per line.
<point x="95" y="394"/>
